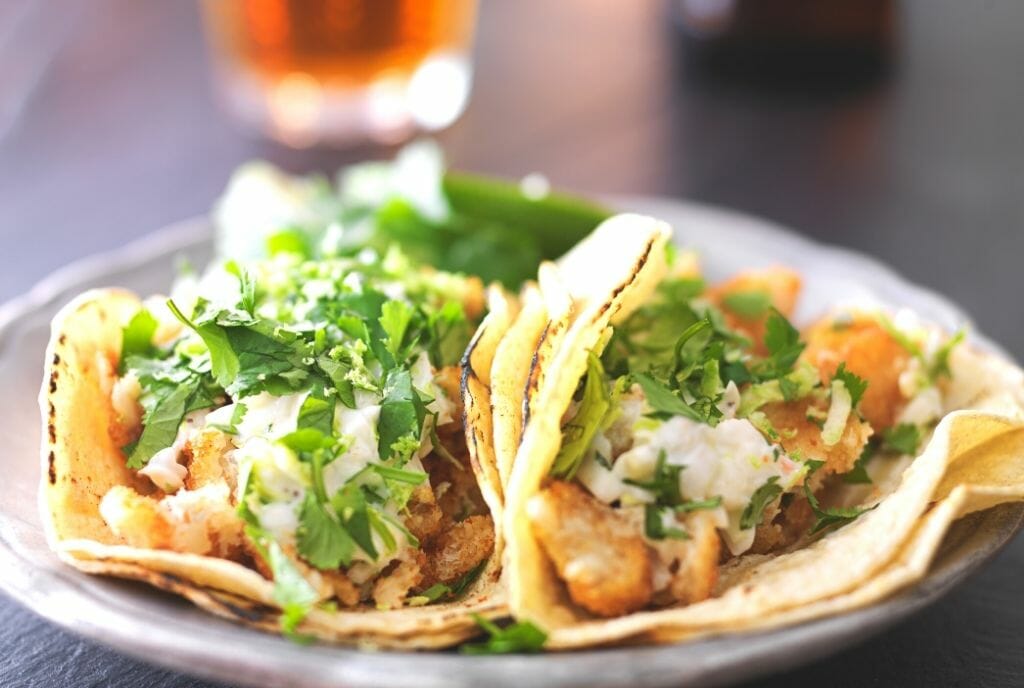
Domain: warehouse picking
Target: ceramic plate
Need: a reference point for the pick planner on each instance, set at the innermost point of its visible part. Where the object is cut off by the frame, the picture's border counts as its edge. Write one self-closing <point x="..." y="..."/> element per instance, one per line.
<point x="165" y="630"/>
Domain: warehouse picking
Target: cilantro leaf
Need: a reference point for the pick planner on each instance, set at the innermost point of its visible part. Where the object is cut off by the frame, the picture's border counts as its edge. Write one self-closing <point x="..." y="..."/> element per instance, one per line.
<point x="223" y="361"/>
<point x="399" y="475"/>
<point x="394" y="320"/>
<point x="518" y="637"/>
<point x="459" y="585"/>
<point x="337" y="370"/>
<point x="833" y="516"/>
<point x="161" y="424"/>
<point x="246" y="286"/>
<point x="679" y="348"/>
<point x="854" y="384"/>
<point x="291" y="591"/>
<point x="655" y="528"/>
<point x="759" y="501"/>
<point x="261" y="362"/>
<point x="137" y="335"/>
<point x="402" y="413"/>
<point x="289" y="240"/>
<point x="904" y="438"/>
<point x="449" y="334"/>
<point x="664" y="485"/>
<point x="940" y="361"/>
<point x="663" y="400"/>
<point x="748" y="304"/>
<point x="307" y="440"/>
<point x="321" y="539"/>
<point x="434" y="593"/>
<point x="350" y="505"/>
<point x="783" y="343"/>
<point x="317" y="413"/>
<point x="697" y="505"/>
<point x="380" y="527"/>
<point x="858" y="475"/>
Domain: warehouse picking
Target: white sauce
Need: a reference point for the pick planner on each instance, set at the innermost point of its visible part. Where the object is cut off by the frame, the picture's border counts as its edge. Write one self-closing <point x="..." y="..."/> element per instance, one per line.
<point x="731" y="460"/>
<point x="358" y="427"/>
<point x="267" y="415"/>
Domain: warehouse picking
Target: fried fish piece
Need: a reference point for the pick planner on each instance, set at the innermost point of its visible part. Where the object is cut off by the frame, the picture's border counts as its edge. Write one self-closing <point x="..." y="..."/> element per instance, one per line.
<point x="801" y="436"/>
<point x="869" y="351"/>
<point x="199" y="521"/>
<point x="598" y="552"/>
<point x="458" y="548"/>
<point x="781" y="287"/>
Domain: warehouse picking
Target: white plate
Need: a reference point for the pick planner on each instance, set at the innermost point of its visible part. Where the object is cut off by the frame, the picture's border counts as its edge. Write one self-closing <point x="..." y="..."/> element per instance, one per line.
<point x="165" y="630"/>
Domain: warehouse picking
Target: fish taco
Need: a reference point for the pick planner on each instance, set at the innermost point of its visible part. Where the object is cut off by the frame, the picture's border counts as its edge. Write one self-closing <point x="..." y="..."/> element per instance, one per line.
<point x="695" y="463"/>
<point x="284" y="442"/>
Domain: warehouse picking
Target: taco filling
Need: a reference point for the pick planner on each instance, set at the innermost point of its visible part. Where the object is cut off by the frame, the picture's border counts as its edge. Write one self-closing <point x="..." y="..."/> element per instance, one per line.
<point x="303" y="417"/>
<point x="706" y="426"/>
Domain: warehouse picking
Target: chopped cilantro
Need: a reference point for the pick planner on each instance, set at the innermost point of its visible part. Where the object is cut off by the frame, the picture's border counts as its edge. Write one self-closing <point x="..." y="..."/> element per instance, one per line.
<point x="321" y="539"/>
<point x="307" y="440"/>
<point x="137" y="335"/>
<point x="664" y="484"/>
<point x="783" y="343"/>
<point x="350" y="504"/>
<point x="394" y="320"/>
<point x="855" y="385"/>
<point x="663" y="400"/>
<point x="291" y="591"/>
<point x="759" y="501"/>
<point x="858" y="475"/>
<point x="697" y="505"/>
<point x="161" y="425"/>
<point x="317" y="413"/>
<point x="833" y="516"/>
<point x="399" y="475"/>
<point x="289" y="240"/>
<point x="655" y="528"/>
<point x="402" y="413"/>
<point x="940" y="361"/>
<point x="441" y="592"/>
<point x="748" y="304"/>
<point x="520" y="637"/>
<point x="904" y="438"/>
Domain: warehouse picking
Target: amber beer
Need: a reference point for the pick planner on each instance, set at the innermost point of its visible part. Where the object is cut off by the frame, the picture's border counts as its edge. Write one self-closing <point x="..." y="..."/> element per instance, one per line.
<point x="310" y="70"/>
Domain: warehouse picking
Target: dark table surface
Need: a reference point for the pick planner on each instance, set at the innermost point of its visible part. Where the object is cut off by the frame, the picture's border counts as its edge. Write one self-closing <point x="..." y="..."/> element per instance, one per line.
<point x="108" y="130"/>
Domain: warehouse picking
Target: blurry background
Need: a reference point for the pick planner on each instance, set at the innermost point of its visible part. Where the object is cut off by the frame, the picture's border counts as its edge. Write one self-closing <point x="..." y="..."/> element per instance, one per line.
<point x="109" y="129"/>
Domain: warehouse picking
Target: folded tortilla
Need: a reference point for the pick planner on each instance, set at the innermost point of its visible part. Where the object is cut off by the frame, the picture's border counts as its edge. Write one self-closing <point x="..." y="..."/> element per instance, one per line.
<point x="81" y="463"/>
<point x="974" y="460"/>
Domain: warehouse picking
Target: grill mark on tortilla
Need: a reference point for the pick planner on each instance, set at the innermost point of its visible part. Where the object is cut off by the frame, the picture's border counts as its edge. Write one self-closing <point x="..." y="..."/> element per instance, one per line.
<point x="533" y="378"/>
<point x="52" y="468"/>
<point x="53" y="382"/>
<point x="175" y="583"/>
<point x="467" y="359"/>
<point x="640" y="263"/>
<point x="469" y="373"/>
<point x="51" y="430"/>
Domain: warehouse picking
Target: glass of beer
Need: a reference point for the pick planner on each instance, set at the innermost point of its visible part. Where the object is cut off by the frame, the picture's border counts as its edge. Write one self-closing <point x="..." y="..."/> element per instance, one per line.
<point x="341" y="71"/>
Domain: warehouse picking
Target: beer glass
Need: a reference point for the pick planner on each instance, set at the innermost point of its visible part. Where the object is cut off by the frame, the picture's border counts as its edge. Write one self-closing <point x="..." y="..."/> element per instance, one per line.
<point x="340" y="71"/>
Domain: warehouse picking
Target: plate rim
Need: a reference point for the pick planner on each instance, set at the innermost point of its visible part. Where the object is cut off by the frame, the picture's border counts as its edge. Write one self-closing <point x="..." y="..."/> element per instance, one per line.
<point x="565" y="668"/>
